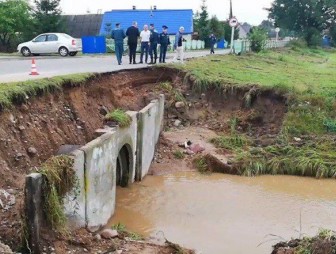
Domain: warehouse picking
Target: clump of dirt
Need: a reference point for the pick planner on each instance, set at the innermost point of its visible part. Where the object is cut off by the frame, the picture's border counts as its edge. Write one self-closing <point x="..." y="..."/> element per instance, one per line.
<point x="316" y="245"/>
<point x="83" y="241"/>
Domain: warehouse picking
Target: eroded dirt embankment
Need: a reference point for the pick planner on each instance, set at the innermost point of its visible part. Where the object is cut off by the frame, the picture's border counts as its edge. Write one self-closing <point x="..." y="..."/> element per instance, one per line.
<point x="32" y="132"/>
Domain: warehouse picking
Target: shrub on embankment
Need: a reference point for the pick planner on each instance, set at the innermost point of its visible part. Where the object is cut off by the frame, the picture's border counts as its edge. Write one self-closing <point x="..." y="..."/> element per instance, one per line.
<point x="306" y="78"/>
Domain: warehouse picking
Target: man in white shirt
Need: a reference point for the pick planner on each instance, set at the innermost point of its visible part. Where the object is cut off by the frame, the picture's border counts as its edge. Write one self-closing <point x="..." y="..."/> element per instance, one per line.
<point x="144" y="35"/>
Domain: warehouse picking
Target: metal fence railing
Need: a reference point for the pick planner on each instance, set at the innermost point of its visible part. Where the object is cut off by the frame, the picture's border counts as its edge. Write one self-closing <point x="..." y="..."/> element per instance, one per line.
<point x="242" y="46"/>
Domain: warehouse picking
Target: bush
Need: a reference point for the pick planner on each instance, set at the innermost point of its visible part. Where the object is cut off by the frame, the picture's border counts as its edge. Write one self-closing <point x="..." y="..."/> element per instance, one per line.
<point x="297" y="43"/>
<point x="313" y="37"/>
<point x="258" y="37"/>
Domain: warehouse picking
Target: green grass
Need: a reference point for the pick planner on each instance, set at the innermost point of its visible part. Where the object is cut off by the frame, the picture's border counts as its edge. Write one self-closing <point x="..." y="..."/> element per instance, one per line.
<point x="121" y="228"/>
<point x="231" y="142"/>
<point x="120" y="117"/>
<point x="201" y="164"/>
<point x="306" y="80"/>
<point x="309" y="245"/>
<point x="302" y="71"/>
<point x="179" y="154"/>
<point x="60" y="179"/>
<point x="18" y="92"/>
<point x="317" y="158"/>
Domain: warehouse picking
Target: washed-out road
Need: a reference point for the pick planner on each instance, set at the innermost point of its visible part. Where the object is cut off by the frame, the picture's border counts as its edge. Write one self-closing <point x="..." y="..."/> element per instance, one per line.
<point x="17" y="68"/>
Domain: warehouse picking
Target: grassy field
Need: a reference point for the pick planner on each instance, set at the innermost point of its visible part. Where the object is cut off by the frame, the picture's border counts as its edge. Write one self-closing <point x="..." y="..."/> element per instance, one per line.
<point x="307" y="78"/>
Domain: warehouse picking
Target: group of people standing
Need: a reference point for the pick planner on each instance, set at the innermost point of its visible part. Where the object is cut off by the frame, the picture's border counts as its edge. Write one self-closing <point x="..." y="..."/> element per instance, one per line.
<point x="150" y="39"/>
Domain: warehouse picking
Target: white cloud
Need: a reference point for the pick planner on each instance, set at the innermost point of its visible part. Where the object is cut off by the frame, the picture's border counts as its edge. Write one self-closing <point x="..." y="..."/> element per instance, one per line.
<point x="250" y="11"/>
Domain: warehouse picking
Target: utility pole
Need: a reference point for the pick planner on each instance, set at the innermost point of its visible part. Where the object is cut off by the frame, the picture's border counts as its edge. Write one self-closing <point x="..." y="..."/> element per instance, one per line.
<point x="233" y="23"/>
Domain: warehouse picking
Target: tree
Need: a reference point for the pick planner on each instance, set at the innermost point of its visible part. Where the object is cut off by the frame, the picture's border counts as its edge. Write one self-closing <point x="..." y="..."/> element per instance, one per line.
<point x="228" y="32"/>
<point x="201" y="23"/>
<point x="308" y="18"/>
<point x="48" y="16"/>
<point x="258" y="38"/>
<point x="216" y="27"/>
<point x="15" y="20"/>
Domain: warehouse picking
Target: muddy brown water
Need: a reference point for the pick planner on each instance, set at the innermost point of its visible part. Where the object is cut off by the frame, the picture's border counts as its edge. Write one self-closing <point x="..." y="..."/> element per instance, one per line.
<point x="218" y="213"/>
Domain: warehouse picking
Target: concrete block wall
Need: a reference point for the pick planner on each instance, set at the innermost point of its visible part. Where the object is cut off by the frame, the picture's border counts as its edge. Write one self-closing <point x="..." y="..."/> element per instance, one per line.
<point x="100" y="178"/>
<point x="74" y="202"/>
<point x="150" y="121"/>
<point x="92" y="202"/>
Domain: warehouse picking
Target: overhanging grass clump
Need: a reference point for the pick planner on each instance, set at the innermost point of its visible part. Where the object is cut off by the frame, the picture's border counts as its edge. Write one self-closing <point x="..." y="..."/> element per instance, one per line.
<point x="201" y="164"/>
<point x="60" y="179"/>
<point x="120" y="117"/>
<point x="313" y="159"/>
<point x="18" y="92"/>
<point x="231" y="142"/>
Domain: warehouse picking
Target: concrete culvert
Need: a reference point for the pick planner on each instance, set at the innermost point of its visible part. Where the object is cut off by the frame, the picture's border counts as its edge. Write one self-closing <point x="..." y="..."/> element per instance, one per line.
<point x="123" y="166"/>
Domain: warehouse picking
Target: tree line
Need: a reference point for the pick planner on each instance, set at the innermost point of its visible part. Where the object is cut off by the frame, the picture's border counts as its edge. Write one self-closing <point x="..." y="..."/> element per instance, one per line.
<point x="21" y="21"/>
<point x="306" y="19"/>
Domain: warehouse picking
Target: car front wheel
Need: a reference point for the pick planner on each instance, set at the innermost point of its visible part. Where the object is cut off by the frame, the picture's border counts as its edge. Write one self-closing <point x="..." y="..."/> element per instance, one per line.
<point x="25" y="51"/>
<point x="73" y="53"/>
<point x="63" y="51"/>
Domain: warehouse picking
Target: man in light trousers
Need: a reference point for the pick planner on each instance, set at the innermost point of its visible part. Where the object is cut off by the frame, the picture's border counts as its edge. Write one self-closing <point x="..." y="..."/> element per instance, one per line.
<point x="178" y="45"/>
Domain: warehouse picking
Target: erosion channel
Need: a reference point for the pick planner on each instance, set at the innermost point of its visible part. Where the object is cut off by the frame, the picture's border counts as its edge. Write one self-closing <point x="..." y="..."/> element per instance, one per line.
<point x="195" y="194"/>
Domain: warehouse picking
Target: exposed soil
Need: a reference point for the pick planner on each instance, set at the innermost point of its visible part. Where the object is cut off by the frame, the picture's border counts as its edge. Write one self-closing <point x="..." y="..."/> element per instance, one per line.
<point x="32" y="132"/>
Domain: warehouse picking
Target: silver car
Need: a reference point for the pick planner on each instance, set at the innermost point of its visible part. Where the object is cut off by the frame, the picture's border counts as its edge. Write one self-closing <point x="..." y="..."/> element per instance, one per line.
<point x="48" y="43"/>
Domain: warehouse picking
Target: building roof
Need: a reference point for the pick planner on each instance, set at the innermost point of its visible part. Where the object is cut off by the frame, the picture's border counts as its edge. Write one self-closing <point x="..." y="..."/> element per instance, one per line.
<point x="174" y="19"/>
<point x="83" y="25"/>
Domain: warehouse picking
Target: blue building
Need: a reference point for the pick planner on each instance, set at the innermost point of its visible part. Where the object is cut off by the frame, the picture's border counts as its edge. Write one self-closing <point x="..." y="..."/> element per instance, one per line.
<point x="174" y="19"/>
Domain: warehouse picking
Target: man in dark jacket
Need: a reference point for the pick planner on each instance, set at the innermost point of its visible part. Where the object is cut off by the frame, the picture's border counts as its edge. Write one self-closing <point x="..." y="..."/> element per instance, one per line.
<point x="153" y="43"/>
<point x="213" y="41"/>
<point x="132" y="33"/>
<point x="118" y="34"/>
<point x="164" y="42"/>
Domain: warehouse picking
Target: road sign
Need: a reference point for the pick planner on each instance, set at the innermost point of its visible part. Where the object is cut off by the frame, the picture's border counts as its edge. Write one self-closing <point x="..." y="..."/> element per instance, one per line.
<point x="233" y="22"/>
<point x="277" y="30"/>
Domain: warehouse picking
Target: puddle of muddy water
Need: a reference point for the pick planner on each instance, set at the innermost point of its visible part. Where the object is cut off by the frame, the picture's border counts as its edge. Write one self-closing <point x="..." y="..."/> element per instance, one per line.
<point x="219" y="213"/>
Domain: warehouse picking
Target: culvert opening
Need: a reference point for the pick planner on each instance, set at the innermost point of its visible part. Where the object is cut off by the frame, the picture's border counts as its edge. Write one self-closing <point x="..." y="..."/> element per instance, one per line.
<point x="123" y="166"/>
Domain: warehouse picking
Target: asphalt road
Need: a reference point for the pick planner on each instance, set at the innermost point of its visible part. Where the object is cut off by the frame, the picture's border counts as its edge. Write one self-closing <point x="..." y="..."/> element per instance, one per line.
<point x="17" y="68"/>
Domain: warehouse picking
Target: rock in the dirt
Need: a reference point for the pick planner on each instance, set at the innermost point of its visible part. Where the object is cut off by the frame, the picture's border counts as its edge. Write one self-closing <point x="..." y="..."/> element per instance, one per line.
<point x="109" y="233"/>
<point x="18" y="156"/>
<point x="103" y="110"/>
<point x="179" y="104"/>
<point x="32" y="150"/>
<point x="12" y="118"/>
<point x="197" y="148"/>
<point x="98" y="237"/>
<point x="6" y="200"/>
<point x="5" y="249"/>
<point x="21" y="128"/>
<point x="297" y="139"/>
<point x="177" y="123"/>
<point x="189" y="152"/>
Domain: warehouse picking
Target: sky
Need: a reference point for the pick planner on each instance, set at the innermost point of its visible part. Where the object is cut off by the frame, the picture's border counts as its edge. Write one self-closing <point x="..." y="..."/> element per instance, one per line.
<point x="250" y="11"/>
